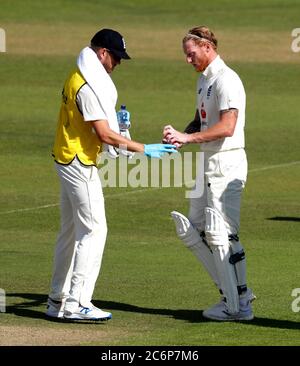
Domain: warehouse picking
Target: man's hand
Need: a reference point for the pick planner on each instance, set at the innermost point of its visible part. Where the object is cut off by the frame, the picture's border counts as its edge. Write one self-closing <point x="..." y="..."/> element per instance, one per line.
<point x="172" y="136"/>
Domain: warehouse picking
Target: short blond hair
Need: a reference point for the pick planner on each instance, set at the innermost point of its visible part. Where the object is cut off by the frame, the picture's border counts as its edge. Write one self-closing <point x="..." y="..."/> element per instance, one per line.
<point x="201" y="34"/>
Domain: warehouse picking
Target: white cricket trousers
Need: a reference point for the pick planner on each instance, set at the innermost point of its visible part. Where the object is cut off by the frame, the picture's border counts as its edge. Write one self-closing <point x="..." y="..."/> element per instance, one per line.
<point x="225" y="175"/>
<point x="81" y="241"/>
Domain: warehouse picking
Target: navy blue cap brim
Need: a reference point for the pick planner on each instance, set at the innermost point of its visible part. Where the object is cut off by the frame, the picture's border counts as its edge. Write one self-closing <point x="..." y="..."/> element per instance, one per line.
<point x="121" y="54"/>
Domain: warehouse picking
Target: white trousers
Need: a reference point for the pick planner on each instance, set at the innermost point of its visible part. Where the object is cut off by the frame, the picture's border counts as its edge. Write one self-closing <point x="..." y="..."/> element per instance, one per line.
<point x="225" y="175"/>
<point x="81" y="241"/>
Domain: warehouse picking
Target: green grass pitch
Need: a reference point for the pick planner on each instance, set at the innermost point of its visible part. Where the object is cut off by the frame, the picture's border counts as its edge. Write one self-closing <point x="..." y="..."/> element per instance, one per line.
<point x="154" y="287"/>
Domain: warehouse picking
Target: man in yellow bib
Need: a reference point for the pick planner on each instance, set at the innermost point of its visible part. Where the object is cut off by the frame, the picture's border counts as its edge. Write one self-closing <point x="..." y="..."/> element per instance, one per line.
<point x="86" y="126"/>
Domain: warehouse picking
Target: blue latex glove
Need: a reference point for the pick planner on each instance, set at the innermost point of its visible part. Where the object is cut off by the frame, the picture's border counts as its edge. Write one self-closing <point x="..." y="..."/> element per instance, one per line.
<point x="158" y="150"/>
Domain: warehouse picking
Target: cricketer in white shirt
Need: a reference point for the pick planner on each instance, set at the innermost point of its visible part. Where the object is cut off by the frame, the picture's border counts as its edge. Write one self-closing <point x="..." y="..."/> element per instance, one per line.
<point x="212" y="227"/>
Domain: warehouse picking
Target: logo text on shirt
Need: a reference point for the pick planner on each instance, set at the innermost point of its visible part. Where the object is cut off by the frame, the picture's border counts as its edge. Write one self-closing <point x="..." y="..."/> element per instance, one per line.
<point x="209" y="91"/>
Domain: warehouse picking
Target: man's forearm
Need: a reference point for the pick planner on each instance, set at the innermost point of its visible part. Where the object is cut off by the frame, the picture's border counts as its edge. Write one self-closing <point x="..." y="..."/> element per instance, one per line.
<point x="108" y="136"/>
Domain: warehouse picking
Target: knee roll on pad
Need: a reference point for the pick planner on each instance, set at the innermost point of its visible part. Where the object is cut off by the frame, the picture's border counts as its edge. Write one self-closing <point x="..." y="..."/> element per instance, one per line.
<point x="185" y="230"/>
<point x="215" y="228"/>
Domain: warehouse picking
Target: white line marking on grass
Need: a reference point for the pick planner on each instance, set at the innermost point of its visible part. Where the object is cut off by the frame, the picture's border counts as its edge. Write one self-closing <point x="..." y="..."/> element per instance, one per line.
<point x="144" y="190"/>
<point x="274" y="166"/>
<point x="57" y="204"/>
<point x="29" y="209"/>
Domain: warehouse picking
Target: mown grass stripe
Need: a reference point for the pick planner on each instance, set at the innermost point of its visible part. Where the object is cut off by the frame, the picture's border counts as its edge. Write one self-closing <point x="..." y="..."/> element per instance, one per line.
<point x="50" y="205"/>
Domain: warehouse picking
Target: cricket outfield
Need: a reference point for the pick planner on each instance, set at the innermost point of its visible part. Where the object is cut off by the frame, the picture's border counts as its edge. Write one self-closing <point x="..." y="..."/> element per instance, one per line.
<point x="154" y="287"/>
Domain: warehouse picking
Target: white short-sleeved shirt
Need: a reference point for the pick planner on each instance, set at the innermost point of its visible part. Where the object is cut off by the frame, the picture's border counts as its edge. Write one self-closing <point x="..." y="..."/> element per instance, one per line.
<point x="89" y="105"/>
<point x="220" y="88"/>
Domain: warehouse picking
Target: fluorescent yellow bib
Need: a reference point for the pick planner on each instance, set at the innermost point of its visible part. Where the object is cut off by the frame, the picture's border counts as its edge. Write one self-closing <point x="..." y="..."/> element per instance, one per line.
<point x="74" y="136"/>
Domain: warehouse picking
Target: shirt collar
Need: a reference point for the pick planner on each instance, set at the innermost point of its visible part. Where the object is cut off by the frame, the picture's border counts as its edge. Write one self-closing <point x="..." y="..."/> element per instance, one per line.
<point x="214" y="67"/>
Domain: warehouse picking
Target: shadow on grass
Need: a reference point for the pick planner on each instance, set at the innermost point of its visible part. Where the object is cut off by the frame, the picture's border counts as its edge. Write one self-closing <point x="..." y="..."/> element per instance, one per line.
<point x="194" y="316"/>
<point x="284" y="218"/>
<point x="24" y="309"/>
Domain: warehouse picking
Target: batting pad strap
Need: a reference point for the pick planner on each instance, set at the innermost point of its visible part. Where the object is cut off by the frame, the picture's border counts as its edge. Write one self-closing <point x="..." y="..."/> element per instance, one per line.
<point x="237" y="257"/>
<point x="233" y="237"/>
<point x="215" y="228"/>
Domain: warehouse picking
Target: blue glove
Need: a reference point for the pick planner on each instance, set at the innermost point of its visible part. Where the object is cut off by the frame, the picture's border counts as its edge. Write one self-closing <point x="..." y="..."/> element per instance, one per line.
<point x="158" y="150"/>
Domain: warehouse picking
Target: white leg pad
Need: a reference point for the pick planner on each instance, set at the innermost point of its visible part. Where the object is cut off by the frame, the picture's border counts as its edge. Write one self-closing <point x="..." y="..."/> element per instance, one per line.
<point x="193" y="241"/>
<point x="217" y="238"/>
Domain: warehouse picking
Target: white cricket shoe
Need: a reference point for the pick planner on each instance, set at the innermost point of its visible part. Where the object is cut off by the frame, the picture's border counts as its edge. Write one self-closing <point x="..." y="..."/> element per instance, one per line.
<point x="222" y="314"/>
<point x="90" y="313"/>
<point x="220" y="311"/>
<point x="55" y="309"/>
<point x="248" y="296"/>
